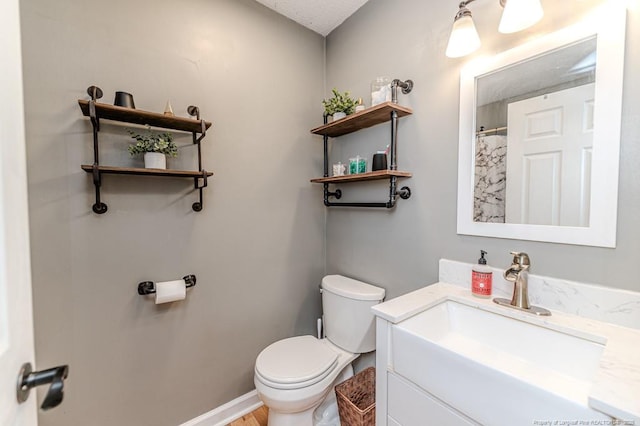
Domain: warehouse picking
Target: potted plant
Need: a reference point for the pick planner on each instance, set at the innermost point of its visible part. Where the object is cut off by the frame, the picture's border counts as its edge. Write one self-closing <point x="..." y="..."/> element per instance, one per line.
<point x="340" y="105"/>
<point x="155" y="147"/>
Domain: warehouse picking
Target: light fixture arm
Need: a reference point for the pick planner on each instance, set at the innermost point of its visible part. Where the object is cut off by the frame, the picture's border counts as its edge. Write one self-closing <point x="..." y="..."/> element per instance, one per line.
<point x="464" y="11"/>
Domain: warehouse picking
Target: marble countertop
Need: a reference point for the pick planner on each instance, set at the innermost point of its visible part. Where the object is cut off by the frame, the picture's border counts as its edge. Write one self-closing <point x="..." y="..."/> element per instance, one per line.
<point x="616" y="385"/>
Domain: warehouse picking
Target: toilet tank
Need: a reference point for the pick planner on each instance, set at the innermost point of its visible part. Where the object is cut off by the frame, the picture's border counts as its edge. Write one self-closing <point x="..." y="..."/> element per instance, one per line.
<point x="348" y="320"/>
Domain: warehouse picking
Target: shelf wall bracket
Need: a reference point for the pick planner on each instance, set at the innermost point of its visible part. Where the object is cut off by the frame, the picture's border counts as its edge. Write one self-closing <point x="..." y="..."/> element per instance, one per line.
<point x="203" y="131"/>
<point x="194" y="111"/>
<point x="404" y="192"/>
<point x="95" y="110"/>
<point x="327" y="194"/>
<point x="394" y="193"/>
<point x="96" y="93"/>
<point x="406" y="87"/>
<point x="197" y="206"/>
<point x="99" y="207"/>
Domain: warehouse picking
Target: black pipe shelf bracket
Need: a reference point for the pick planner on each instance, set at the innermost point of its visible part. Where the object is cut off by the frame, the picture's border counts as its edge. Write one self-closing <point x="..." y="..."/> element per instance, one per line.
<point x="149" y="287"/>
<point x="381" y="113"/>
<point x="196" y="126"/>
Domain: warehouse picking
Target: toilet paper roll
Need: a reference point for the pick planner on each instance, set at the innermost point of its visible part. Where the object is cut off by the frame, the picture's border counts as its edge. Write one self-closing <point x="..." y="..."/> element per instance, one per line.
<point x="170" y="291"/>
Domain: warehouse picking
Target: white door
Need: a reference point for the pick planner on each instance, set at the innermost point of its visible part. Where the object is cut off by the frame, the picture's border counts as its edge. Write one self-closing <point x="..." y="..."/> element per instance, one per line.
<point x="549" y="148"/>
<point x="16" y="323"/>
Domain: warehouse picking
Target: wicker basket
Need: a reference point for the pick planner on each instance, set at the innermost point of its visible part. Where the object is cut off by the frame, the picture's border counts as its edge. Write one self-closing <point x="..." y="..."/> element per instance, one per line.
<point x="357" y="399"/>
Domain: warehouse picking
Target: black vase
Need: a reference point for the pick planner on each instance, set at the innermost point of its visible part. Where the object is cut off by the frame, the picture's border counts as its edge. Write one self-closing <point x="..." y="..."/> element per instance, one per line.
<point x="124" y="99"/>
<point x="379" y="162"/>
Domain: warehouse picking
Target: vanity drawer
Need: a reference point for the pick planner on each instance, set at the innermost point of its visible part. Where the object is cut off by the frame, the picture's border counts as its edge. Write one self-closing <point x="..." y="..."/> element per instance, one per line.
<point x="410" y="406"/>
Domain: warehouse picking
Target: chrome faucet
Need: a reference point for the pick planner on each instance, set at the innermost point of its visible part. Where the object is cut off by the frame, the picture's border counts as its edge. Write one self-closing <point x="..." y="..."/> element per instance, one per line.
<point x="518" y="273"/>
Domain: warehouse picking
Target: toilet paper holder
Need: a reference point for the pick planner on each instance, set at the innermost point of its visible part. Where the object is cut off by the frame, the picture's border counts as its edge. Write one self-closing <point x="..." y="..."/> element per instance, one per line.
<point x="149" y="287"/>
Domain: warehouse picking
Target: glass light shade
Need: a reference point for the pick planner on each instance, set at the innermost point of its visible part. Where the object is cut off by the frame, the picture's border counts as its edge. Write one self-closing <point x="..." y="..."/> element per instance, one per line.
<point x="520" y="14"/>
<point x="464" y="38"/>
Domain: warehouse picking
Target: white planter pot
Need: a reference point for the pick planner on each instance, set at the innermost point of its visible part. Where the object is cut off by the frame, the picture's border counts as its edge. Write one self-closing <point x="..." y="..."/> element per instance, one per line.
<point x="155" y="160"/>
<point x="339" y="115"/>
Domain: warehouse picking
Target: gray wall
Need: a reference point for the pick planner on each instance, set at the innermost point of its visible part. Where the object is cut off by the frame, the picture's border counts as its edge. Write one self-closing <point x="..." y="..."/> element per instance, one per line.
<point x="400" y="250"/>
<point x="257" y="248"/>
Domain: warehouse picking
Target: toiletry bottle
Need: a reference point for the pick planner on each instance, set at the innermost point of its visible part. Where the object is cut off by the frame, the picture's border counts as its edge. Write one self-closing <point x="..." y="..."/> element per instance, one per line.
<point x="481" y="277"/>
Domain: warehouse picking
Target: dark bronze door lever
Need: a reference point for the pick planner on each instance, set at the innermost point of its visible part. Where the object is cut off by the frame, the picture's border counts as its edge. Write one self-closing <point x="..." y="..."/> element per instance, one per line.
<point x="28" y="379"/>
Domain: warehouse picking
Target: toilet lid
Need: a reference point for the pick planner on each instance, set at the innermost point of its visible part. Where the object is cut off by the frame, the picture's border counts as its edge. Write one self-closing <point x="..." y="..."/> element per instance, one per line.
<point x="302" y="361"/>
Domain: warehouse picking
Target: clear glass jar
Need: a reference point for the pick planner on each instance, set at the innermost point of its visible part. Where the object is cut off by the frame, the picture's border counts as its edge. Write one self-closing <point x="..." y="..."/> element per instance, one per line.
<point x="380" y="90"/>
<point x="357" y="165"/>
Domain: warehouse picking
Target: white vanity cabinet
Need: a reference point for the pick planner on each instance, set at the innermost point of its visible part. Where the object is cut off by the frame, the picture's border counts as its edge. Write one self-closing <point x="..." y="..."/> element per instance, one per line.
<point x="399" y="401"/>
<point x="444" y="357"/>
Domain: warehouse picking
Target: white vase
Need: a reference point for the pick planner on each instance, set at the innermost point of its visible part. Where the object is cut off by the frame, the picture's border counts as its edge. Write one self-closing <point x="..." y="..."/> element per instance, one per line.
<point x="155" y="160"/>
<point x="339" y="115"/>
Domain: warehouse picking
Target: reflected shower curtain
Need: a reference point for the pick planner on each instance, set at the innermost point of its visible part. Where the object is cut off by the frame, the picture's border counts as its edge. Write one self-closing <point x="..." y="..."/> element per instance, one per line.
<point x="490" y="178"/>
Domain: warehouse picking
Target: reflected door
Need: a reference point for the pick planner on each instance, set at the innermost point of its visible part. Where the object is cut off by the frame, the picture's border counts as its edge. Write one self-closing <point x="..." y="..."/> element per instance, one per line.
<point x="549" y="148"/>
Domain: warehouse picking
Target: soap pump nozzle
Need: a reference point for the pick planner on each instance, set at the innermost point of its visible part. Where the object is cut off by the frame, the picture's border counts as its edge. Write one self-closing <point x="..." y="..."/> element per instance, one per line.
<point x="482" y="260"/>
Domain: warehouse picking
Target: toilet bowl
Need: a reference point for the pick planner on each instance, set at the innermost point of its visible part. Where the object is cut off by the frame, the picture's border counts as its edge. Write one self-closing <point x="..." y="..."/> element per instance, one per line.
<point x="293" y="376"/>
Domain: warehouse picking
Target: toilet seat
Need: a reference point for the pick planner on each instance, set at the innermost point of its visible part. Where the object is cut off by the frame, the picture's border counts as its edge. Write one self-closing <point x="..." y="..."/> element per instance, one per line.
<point x="294" y="363"/>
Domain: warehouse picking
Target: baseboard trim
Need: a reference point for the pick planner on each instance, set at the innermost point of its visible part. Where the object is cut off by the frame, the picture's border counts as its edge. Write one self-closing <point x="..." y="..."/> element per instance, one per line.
<point x="225" y="414"/>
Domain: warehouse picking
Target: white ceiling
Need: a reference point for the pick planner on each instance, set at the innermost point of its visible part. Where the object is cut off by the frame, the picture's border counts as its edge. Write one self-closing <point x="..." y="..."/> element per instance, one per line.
<point x="321" y="16"/>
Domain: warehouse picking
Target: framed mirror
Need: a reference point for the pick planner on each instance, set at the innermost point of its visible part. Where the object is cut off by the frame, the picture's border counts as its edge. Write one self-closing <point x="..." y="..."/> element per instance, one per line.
<point x="539" y="137"/>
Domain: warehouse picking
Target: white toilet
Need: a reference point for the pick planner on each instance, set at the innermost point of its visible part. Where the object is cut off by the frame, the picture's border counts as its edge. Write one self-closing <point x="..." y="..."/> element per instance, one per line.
<point x="293" y="376"/>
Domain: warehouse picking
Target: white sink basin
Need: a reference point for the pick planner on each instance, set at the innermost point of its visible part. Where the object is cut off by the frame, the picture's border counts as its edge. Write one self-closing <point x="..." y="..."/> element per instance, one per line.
<point x="496" y="369"/>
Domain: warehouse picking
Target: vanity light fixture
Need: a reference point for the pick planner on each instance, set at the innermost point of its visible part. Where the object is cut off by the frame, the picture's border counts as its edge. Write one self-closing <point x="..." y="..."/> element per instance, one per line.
<point x="517" y="15"/>
<point x="464" y="37"/>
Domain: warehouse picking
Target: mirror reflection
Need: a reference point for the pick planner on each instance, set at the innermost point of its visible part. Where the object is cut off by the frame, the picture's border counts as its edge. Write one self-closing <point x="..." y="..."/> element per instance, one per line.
<point x="534" y="139"/>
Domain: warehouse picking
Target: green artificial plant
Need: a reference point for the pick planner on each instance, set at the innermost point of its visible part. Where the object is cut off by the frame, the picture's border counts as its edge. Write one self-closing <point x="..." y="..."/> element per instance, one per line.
<point x="150" y="141"/>
<point x="340" y="102"/>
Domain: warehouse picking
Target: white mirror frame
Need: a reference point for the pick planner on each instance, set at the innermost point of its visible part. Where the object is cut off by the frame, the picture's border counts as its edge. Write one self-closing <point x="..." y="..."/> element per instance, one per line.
<point x="608" y="23"/>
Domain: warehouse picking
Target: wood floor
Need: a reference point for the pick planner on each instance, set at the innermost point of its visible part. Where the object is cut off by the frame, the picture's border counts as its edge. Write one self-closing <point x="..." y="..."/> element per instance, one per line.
<point x="255" y="418"/>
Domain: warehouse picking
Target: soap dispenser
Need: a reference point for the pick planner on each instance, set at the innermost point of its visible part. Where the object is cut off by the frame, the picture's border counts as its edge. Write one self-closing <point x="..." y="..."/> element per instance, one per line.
<point x="481" y="277"/>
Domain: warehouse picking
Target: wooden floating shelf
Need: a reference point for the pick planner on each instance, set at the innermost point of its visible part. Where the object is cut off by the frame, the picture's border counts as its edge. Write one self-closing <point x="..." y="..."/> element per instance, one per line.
<point x="136" y="116"/>
<point x="145" y="172"/>
<point x="377" y="175"/>
<point x="361" y="120"/>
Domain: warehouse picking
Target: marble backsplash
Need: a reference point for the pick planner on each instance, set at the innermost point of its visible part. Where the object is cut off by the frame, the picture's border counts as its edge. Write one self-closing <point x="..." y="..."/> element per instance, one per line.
<point x="615" y="306"/>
